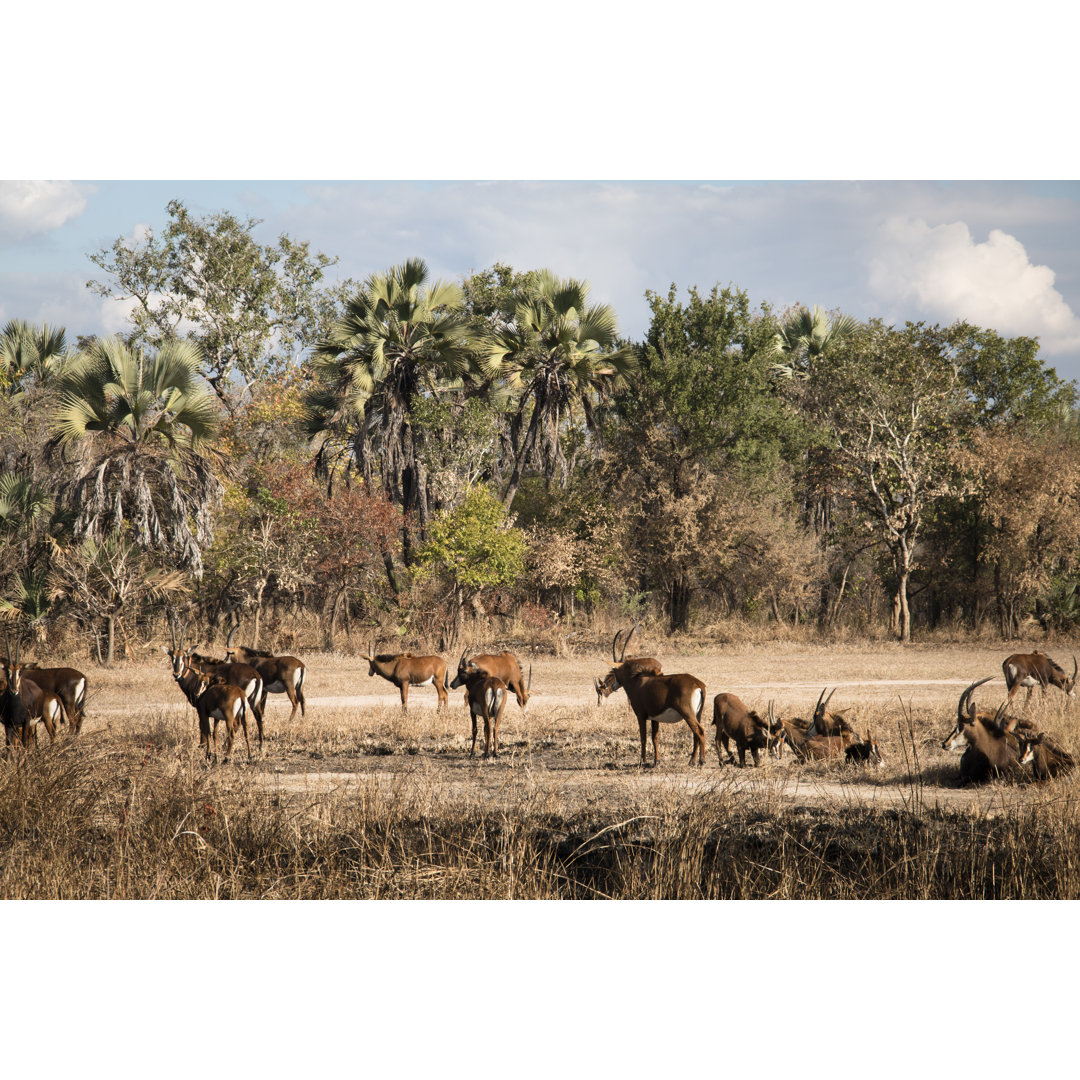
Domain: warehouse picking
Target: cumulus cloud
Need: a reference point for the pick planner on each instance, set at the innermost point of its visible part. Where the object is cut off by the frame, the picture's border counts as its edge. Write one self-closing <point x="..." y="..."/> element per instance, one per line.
<point x="31" y="207"/>
<point x="946" y="274"/>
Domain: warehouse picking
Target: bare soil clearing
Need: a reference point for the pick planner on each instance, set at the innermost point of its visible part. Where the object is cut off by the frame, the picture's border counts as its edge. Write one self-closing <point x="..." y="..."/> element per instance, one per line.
<point x="568" y="749"/>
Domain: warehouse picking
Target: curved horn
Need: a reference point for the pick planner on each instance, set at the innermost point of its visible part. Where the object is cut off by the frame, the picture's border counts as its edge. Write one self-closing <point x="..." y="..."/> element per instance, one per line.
<point x="370" y="651"/>
<point x="232" y="634"/>
<point x="965" y="708"/>
<point x="622" y="655"/>
<point x="528" y="684"/>
<point x="615" y="646"/>
<point x="999" y="716"/>
<point x="819" y="709"/>
<point x="1072" y="681"/>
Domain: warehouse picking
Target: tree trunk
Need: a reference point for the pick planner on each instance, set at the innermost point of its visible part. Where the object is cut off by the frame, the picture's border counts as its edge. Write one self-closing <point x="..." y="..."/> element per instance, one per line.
<point x="522" y="457"/>
<point x="332" y="625"/>
<point x="258" y="613"/>
<point x="679" y="594"/>
<point x="110" y="628"/>
<point x="905" y="610"/>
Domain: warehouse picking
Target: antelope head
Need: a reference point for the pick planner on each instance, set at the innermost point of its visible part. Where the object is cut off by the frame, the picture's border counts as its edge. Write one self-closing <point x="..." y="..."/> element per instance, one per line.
<point x="775" y="738"/>
<point x="819" y="708"/>
<point x="965" y="716"/>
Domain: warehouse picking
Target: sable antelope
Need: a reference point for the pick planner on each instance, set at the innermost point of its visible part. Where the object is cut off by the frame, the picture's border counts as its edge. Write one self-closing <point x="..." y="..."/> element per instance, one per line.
<point x="745" y="728"/>
<point x="991" y="749"/>
<point x="243" y="676"/>
<point x="404" y="669"/>
<point x="664" y="699"/>
<point x="1046" y="759"/>
<point x="40" y="706"/>
<point x="1036" y="669"/>
<point x="636" y="665"/>
<point x="280" y="674"/>
<point x="866" y="752"/>
<point x="827" y="723"/>
<point x="808" y="745"/>
<point x="505" y="667"/>
<point x="13" y="714"/>
<point x="216" y="699"/>
<point x="67" y="684"/>
<point x="486" y="697"/>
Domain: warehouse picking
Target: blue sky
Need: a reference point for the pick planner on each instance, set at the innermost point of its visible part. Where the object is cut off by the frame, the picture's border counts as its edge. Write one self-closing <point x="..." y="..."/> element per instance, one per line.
<point x="998" y="253"/>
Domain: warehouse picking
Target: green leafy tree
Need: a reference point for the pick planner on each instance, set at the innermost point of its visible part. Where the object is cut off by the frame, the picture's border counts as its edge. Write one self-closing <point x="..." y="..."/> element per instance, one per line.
<point x="558" y="355"/>
<point x="141" y="428"/>
<point x="473" y="547"/>
<point x="251" y="307"/>
<point x="402" y="336"/>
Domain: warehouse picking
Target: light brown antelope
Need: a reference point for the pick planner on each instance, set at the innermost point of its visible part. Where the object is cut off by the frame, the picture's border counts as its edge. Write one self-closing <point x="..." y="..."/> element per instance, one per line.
<point x="808" y="745"/>
<point x="990" y="749"/>
<point x="405" y="670"/>
<point x="486" y="697"/>
<point x="216" y="699"/>
<point x="665" y="699"/>
<point x="280" y="674"/>
<point x="504" y="666"/>
<point x="1046" y="759"/>
<point x="745" y="728"/>
<point x="640" y="665"/>
<point x="40" y="706"/>
<point x="1036" y="669"/>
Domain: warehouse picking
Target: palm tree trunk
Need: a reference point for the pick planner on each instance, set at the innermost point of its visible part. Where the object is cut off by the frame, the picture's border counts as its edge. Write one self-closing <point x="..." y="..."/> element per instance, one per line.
<point x="522" y="456"/>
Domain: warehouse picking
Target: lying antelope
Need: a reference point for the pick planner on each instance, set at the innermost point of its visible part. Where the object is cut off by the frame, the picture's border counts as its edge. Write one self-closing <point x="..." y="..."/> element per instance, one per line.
<point x="827" y="723"/>
<point x="808" y="744"/>
<point x="486" y="697"/>
<point x="1046" y="759"/>
<point x="991" y="749"/>
<point x="746" y="729"/>
<point x="280" y="674"/>
<point x="865" y="752"/>
<point x="504" y="666"/>
<point x="642" y="665"/>
<point x="405" y="670"/>
<point x="1036" y="669"/>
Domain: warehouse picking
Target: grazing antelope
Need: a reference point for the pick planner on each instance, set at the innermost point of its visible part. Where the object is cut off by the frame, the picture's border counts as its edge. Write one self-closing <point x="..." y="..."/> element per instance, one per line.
<point x="991" y="748"/>
<point x="504" y="666"/>
<point x="486" y="697"/>
<point x="1046" y="759"/>
<point x="404" y="669"/>
<point x="664" y="699"/>
<point x="280" y="674"/>
<point x="1036" y="669"/>
<point x="643" y="665"/>
<point x="746" y="729"/>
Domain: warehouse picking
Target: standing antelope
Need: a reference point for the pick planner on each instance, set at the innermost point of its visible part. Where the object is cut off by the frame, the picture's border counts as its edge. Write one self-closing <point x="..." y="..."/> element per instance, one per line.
<point x="504" y="666"/>
<point x="217" y="700"/>
<point x="746" y="729"/>
<point x="280" y="674"/>
<point x="39" y="706"/>
<point x="991" y="748"/>
<point x="664" y="699"/>
<point x="404" y="669"/>
<point x="68" y="684"/>
<point x="486" y="697"/>
<point x="1036" y="669"/>
<point x="643" y="665"/>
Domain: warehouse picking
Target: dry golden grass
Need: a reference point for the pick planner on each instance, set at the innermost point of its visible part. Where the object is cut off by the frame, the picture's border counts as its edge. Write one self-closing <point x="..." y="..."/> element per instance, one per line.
<point x="359" y="799"/>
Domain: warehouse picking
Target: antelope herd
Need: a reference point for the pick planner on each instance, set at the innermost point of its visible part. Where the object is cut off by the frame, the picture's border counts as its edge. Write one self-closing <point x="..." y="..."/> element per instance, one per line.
<point x="995" y="743"/>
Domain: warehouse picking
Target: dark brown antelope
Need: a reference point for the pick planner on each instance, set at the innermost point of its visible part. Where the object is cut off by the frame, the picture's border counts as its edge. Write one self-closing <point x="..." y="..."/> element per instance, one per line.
<point x="243" y="676"/>
<point x="67" y="684"/>
<point x="40" y="706"/>
<point x="866" y="752"/>
<point x="486" y="697"/>
<point x="745" y="728"/>
<point x="1046" y="759"/>
<point x="827" y="723"/>
<point x="504" y="666"/>
<point x="990" y="748"/>
<point x="216" y="699"/>
<point x="1036" y="669"/>
<point x="280" y="674"/>
<point x="808" y="745"/>
<point x="405" y="670"/>
<point x="664" y="699"/>
<point x="637" y="665"/>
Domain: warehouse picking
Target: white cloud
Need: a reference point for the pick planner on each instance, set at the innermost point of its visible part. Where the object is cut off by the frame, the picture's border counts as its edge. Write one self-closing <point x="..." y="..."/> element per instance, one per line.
<point x="31" y="207"/>
<point x="945" y="274"/>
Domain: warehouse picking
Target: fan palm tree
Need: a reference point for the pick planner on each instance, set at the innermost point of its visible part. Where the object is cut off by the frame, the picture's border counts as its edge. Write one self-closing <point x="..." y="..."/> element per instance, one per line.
<point x="142" y="426"/>
<point x="26" y="351"/>
<point x="558" y="354"/>
<point x="805" y="336"/>
<point x="401" y="336"/>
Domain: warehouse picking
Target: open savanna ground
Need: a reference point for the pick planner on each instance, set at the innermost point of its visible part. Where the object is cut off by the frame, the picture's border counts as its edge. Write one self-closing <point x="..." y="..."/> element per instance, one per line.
<point x="357" y="799"/>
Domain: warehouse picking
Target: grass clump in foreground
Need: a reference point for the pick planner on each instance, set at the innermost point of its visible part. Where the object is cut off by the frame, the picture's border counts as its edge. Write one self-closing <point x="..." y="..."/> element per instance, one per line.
<point x="144" y="817"/>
